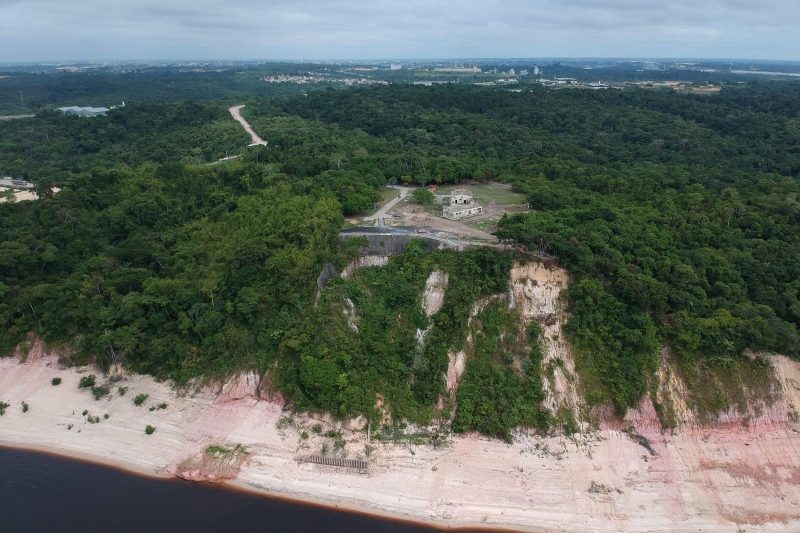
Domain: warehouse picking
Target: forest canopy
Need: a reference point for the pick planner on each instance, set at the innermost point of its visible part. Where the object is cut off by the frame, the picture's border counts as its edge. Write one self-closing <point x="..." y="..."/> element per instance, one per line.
<point x="676" y="214"/>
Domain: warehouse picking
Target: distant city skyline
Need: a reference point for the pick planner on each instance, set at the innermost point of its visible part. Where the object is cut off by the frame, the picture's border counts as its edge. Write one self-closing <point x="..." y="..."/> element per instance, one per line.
<point x="67" y="30"/>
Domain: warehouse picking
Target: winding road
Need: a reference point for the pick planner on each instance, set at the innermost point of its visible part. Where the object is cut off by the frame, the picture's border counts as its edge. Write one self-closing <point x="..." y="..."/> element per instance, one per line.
<point x="237" y="116"/>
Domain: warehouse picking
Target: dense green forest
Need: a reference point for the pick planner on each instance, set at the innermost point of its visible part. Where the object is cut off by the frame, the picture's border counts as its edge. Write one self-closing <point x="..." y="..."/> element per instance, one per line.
<point x="37" y="87"/>
<point x="53" y="146"/>
<point x="676" y="214"/>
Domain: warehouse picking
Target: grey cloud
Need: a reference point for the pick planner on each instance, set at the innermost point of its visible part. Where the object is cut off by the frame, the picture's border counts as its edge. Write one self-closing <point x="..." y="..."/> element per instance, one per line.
<point x="273" y="29"/>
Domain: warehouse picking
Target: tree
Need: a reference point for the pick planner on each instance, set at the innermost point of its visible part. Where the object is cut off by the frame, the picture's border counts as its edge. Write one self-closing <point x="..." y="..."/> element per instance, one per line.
<point x="422" y="196"/>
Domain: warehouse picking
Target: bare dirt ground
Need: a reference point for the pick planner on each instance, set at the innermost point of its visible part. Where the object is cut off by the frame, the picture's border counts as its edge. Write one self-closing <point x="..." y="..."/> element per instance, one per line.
<point x="496" y="199"/>
<point x="23" y="196"/>
<point x="414" y="215"/>
<point x="236" y="113"/>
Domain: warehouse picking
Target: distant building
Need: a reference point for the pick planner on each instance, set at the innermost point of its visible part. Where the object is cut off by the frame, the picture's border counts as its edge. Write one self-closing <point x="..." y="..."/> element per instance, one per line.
<point x="88" y="111"/>
<point x="523" y="72"/>
<point x="14" y="183"/>
<point x="395" y="66"/>
<point x="459" y="70"/>
<point x="536" y="71"/>
<point x="461" y="205"/>
<point x="84" y="111"/>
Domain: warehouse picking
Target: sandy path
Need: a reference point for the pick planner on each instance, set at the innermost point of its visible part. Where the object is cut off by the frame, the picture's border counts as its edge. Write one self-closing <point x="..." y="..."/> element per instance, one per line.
<point x="714" y="479"/>
<point x="236" y="113"/>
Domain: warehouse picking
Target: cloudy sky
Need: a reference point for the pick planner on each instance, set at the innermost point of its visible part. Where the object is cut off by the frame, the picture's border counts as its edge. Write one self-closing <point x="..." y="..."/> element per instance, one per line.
<point x="366" y="29"/>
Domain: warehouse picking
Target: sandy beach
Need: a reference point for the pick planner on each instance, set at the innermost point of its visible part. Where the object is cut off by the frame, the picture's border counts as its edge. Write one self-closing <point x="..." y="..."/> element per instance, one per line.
<point x="727" y="477"/>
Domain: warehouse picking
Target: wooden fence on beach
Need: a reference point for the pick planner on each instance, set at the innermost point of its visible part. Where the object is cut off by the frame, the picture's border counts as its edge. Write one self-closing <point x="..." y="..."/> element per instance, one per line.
<point x="354" y="464"/>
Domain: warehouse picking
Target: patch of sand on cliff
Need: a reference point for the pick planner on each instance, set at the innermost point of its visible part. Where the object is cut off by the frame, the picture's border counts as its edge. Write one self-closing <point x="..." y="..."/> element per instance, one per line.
<point x="537" y="293"/>
<point x="787" y="372"/>
<point x="672" y="393"/>
<point x="775" y="399"/>
<point x="432" y="301"/>
<point x="435" y="287"/>
<point x="457" y="359"/>
<point x="363" y="262"/>
<point x="350" y="314"/>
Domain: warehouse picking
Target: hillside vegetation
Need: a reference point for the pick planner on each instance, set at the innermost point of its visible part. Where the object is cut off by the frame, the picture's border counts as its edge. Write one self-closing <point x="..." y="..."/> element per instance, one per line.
<point x="677" y="216"/>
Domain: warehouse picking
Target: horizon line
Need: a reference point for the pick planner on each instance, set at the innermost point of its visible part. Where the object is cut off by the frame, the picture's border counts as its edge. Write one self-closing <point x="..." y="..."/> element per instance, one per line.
<point x="89" y="61"/>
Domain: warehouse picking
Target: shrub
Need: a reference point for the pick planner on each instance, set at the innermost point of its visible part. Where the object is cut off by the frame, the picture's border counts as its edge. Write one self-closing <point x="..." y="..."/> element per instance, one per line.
<point x="304" y="435"/>
<point x="55" y="381"/>
<point x="87" y="381"/>
<point x="99" y="392"/>
<point x="215" y="449"/>
<point x="422" y="196"/>
<point x="149" y="429"/>
<point x="25" y="407"/>
<point x="3" y="407"/>
<point x="122" y="391"/>
<point x="140" y="399"/>
<point x="535" y="331"/>
<point x="158" y="407"/>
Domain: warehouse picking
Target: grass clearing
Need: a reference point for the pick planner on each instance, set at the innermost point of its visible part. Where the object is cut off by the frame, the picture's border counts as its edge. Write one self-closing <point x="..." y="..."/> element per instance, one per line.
<point x="387" y="194"/>
<point x="489" y="193"/>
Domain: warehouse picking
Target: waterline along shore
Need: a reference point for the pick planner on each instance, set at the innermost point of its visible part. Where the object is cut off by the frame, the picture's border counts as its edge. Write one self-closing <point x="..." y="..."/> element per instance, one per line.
<point x="699" y="479"/>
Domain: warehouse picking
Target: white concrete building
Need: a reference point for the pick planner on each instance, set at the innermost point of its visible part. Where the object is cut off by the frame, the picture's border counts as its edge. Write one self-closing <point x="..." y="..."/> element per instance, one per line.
<point x="461" y="197"/>
<point x="461" y="205"/>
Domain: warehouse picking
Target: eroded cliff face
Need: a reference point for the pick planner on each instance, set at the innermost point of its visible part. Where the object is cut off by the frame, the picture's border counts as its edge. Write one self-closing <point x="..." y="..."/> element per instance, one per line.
<point x="433" y="296"/>
<point x="538" y="294"/>
<point x="457" y="359"/>
<point x="364" y="261"/>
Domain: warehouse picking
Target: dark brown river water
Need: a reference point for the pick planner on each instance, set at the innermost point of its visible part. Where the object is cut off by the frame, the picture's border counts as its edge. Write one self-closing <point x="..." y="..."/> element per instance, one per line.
<point x="42" y="493"/>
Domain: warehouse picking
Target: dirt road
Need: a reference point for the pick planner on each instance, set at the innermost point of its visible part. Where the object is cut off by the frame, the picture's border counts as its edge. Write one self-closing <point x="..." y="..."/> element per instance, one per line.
<point x="381" y="213"/>
<point x="237" y="116"/>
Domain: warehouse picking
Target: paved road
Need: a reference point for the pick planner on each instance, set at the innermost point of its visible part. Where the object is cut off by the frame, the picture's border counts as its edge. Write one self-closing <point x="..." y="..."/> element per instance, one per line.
<point x="458" y="244"/>
<point x="381" y="213"/>
<point x="237" y="116"/>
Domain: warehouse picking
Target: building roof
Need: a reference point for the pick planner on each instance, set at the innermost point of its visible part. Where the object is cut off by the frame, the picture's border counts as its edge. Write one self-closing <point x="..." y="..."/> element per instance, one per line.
<point x="83" y="111"/>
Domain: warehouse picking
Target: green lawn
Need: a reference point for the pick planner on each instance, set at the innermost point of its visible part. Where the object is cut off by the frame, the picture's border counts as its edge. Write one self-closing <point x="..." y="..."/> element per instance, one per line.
<point x="387" y="195"/>
<point x="488" y="193"/>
